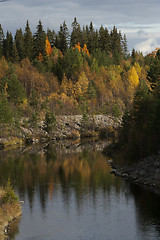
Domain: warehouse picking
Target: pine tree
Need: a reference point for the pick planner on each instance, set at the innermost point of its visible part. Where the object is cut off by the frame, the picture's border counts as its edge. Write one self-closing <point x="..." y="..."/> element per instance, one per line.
<point x="116" y="46"/>
<point x="51" y="37"/>
<point x="39" y="41"/>
<point x="104" y="40"/>
<point x="90" y="37"/>
<point x="15" y="53"/>
<point x="63" y="37"/>
<point x="124" y="45"/>
<point x="8" y="46"/>
<point x="1" y="41"/>
<point x="76" y="35"/>
<point x="28" y="42"/>
<point x="19" y="41"/>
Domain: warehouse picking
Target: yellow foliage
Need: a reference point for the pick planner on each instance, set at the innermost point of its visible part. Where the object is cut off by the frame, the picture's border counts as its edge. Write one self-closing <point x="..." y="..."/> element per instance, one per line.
<point x="64" y="84"/>
<point x="24" y="103"/>
<point x="133" y="77"/>
<point x="138" y="68"/>
<point x="80" y="87"/>
<point x="67" y="86"/>
<point x="31" y="79"/>
<point x="3" y="67"/>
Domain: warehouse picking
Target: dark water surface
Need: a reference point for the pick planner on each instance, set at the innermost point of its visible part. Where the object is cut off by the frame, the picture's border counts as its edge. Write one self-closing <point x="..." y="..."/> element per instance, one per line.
<point x="71" y="195"/>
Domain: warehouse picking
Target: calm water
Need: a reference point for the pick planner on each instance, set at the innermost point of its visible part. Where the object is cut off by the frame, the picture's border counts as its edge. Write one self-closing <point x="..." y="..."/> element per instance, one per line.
<point x="71" y="195"/>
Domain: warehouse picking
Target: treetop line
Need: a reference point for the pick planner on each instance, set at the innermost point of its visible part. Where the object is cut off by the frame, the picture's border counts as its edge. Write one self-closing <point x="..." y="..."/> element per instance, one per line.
<point x="28" y="45"/>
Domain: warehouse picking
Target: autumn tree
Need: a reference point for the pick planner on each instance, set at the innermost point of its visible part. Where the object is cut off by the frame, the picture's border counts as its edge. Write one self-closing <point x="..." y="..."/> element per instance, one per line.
<point x="3" y="67"/>
<point x="51" y="37"/>
<point x="48" y="47"/>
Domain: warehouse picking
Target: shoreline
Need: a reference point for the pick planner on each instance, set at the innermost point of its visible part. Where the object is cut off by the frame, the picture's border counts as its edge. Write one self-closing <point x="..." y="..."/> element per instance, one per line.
<point x="145" y="173"/>
<point x="8" y="213"/>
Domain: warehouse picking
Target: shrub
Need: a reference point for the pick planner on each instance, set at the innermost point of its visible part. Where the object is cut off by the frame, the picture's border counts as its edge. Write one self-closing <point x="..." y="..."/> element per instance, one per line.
<point x="9" y="196"/>
<point x="50" y="121"/>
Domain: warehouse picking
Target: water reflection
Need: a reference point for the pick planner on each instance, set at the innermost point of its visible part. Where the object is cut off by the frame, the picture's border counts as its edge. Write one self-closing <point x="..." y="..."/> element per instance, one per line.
<point x="70" y="194"/>
<point x="45" y="171"/>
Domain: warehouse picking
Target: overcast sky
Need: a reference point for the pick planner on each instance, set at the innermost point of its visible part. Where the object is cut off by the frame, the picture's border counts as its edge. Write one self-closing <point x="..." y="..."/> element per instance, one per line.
<point x="138" y="19"/>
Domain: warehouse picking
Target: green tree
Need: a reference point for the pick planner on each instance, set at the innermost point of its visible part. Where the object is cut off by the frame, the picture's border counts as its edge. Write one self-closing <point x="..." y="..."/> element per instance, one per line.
<point x="15" y="53"/>
<point x="15" y="91"/>
<point x="6" y="114"/>
<point x="51" y="37"/>
<point x="104" y="39"/>
<point x="76" y="35"/>
<point x="1" y="41"/>
<point x="63" y="37"/>
<point x="28" y="42"/>
<point x="8" y="46"/>
<point x="39" y="41"/>
<point x="19" y="41"/>
<point x="116" y="46"/>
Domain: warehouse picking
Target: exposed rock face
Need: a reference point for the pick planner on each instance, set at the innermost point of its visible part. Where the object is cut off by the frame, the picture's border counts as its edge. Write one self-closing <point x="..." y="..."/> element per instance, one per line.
<point x="73" y="127"/>
<point x="66" y="127"/>
<point x="145" y="172"/>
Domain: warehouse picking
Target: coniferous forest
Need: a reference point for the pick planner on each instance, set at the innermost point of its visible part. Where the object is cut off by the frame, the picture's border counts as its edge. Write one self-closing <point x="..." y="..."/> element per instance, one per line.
<point x="87" y="71"/>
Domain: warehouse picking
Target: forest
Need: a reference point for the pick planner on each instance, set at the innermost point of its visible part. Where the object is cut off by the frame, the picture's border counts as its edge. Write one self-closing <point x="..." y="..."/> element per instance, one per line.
<point x="87" y="71"/>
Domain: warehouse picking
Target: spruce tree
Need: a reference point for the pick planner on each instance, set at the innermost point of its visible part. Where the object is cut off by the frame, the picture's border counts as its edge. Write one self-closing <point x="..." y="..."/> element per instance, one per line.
<point x="51" y="37"/>
<point x="1" y="41"/>
<point x="76" y="35"/>
<point x="63" y="37"/>
<point x="104" y="40"/>
<point x="15" y="53"/>
<point x="39" y="41"/>
<point x="116" y="46"/>
<point x="8" y="47"/>
<point x="19" y="41"/>
<point x="28" y="42"/>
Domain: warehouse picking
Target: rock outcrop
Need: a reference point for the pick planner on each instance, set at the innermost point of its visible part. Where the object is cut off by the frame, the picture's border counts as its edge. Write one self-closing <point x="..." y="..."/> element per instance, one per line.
<point x="145" y="172"/>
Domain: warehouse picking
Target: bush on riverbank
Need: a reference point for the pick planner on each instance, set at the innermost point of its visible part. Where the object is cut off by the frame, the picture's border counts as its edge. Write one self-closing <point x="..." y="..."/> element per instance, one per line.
<point x="9" y="195"/>
<point x="9" y="208"/>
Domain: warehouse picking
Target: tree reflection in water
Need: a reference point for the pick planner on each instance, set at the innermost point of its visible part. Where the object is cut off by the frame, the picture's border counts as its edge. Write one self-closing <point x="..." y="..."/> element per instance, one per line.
<point x="66" y="181"/>
<point x="48" y="170"/>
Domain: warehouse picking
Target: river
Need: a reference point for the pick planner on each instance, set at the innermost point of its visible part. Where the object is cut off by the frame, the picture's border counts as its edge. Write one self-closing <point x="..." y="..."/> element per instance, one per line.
<point x="69" y="193"/>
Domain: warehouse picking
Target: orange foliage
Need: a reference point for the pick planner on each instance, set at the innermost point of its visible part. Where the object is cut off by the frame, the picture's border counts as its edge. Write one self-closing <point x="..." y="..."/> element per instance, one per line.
<point x="40" y="57"/>
<point x="85" y="50"/>
<point x="48" y="47"/>
<point x="153" y="53"/>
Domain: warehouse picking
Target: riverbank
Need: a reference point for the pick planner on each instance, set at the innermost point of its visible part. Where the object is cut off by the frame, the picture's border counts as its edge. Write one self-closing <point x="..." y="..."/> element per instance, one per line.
<point x="65" y="127"/>
<point x="9" y="211"/>
<point x="145" y="172"/>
